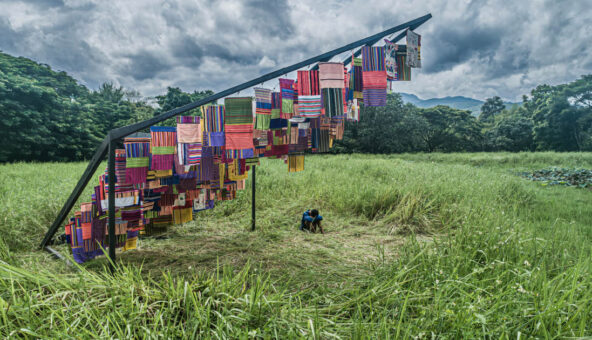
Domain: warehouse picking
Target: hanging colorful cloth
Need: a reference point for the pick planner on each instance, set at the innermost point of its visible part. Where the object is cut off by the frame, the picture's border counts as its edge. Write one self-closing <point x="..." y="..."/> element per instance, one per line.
<point x="374" y="74"/>
<point x="287" y="97"/>
<point x="403" y="70"/>
<point x="295" y="163"/>
<point x="190" y="138"/>
<point x="308" y="83"/>
<point x="238" y="127"/>
<point x="214" y="125"/>
<point x="390" y="60"/>
<point x="309" y="106"/>
<point x="413" y="49"/>
<point x="356" y="79"/>
<point x="332" y="84"/>
<point x="331" y="75"/>
<point x="137" y="159"/>
<point x="163" y="143"/>
<point x="332" y="101"/>
<point x="263" y="108"/>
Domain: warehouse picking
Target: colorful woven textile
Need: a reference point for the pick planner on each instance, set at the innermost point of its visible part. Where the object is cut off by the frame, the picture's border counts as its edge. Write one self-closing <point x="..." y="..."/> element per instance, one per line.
<point x="276" y="101"/>
<point x="403" y="70"/>
<point x="373" y="58"/>
<point x="295" y="163"/>
<point x="331" y="75"/>
<point x="309" y="106"/>
<point x="262" y="101"/>
<point x="390" y="59"/>
<point x="137" y="159"/>
<point x="189" y="132"/>
<point x="374" y="74"/>
<point x="262" y="121"/>
<point x="287" y="95"/>
<point x="308" y="83"/>
<point x="238" y="127"/>
<point x="332" y="101"/>
<point x="413" y="49"/>
<point x="214" y="125"/>
<point x="356" y="79"/>
<point x="162" y="146"/>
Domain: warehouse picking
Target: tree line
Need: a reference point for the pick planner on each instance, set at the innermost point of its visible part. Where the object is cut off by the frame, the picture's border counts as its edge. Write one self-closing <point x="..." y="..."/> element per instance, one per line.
<point x="551" y="118"/>
<point x="48" y="116"/>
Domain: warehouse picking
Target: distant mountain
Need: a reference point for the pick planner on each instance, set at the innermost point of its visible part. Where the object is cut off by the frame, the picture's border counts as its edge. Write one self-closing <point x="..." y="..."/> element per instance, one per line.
<point x="457" y="102"/>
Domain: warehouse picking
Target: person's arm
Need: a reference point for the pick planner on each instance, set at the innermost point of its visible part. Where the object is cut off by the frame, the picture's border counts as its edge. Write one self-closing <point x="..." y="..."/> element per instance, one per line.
<point x="320" y="226"/>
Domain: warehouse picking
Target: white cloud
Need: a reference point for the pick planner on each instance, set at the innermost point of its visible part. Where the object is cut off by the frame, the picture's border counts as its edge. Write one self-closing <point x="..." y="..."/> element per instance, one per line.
<point x="472" y="48"/>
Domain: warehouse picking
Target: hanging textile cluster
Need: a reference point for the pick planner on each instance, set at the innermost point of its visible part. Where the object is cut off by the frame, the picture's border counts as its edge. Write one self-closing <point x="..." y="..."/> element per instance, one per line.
<point x="165" y="177"/>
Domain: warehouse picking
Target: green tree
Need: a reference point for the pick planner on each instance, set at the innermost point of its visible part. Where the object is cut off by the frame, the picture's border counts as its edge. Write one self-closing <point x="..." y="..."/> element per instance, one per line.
<point x="491" y="108"/>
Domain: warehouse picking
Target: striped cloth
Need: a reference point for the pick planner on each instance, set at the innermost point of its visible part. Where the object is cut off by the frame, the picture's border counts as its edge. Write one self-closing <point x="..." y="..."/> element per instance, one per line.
<point x="238" y="127"/>
<point x="373" y="58"/>
<point x="309" y="106"/>
<point x="190" y="139"/>
<point x="262" y="101"/>
<point x="287" y="95"/>
<point x="332" y="101"/>
<point x="374" y="74"/>
<point x="262" y="108"/>
<point x="331" y="75"/>
<point x="308" y="83"/>
<point x="403" y="70"/>
<point x="295" y="163"/>
<point x="137" y="159"/>
<point x="214" y="125"/>
<point x="162" y="146"/>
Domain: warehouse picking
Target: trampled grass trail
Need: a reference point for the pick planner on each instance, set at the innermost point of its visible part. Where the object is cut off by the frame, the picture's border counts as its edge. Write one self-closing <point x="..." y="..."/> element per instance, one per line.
<point x="451" y="245"/>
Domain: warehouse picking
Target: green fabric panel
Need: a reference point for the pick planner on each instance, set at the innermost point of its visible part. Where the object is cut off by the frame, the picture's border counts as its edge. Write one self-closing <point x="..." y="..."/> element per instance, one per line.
<point x="262" y="122"/>
<point x="275" y="113"/>
<point x="163" y="150"/>
<point x="137" y="162"/>
<point x="287" y="106"/>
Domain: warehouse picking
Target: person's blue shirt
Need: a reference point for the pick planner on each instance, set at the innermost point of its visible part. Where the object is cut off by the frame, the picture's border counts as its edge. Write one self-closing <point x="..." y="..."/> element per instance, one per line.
<point x="307" y="218"/>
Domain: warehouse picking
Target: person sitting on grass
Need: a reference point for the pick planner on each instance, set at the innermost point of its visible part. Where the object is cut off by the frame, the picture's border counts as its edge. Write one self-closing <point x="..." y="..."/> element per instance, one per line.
<point x="311" y="220"/>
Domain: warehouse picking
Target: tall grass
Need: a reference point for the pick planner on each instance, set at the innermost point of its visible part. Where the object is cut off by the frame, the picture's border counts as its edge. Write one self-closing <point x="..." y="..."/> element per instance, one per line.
<point x="481" y="253"/>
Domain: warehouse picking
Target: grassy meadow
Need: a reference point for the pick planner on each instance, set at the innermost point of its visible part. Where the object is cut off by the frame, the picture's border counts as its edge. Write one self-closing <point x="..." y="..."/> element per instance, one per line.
<point x="416" y="245"/>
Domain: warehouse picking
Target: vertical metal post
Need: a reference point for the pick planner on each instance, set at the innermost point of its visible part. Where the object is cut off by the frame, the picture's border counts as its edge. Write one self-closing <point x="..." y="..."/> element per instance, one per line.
<point x="253" y="199"/>
<point x="111" y="174"/>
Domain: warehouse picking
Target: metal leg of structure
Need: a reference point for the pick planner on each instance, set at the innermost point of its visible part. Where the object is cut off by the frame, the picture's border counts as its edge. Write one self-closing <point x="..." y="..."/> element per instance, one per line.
<point x="253" y="200"/>
<point x="59" y="256"/>
<point x="111" y="175"/>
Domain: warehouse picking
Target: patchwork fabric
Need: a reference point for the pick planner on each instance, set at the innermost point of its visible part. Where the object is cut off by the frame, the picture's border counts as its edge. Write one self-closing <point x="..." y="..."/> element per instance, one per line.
<point x="238" y="127"/>
<point x="374" y="74"/>
<point x="214" y="125"/>
<point x="390" y="60"/>
<point x="287" y="95"/>
<point x="137" y="159"/>
<point x="162" y="146"/>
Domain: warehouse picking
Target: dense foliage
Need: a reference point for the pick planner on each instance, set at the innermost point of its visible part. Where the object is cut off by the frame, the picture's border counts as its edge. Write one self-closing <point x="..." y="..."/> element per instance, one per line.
<point x="48" y="116"/>
<point x="581" y="178"/>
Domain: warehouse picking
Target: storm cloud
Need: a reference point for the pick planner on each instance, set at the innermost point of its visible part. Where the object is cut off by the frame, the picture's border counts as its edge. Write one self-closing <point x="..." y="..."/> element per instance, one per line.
<point x="471" y="48"/>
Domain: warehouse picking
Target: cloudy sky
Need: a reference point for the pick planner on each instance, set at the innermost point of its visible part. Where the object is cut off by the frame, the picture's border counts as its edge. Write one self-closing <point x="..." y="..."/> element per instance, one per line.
<point x="472" y="48"/>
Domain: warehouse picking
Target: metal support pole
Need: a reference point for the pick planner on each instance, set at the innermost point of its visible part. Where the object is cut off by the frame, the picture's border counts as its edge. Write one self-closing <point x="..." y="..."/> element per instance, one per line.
<point x="111" y="174"/>
<point x="253" y="200"/>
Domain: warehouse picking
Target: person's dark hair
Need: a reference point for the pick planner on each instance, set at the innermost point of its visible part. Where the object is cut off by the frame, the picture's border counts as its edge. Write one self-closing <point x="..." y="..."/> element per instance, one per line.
<point x="314" y="213"/>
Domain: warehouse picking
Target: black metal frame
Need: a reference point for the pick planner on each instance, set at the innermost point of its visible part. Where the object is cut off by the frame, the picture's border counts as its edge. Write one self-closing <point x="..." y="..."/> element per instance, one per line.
<point x="114" y="135"/>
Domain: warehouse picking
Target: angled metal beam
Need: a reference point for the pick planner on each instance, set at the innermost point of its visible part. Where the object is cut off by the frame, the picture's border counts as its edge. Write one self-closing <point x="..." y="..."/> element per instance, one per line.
<point x="92" y="166"/>
<point x="119" y="133"/>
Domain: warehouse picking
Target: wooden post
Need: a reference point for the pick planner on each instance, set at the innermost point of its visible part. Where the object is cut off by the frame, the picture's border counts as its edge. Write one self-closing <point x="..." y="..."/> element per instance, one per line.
<point x="111" y="175"/>
<point x="253" y="199"/>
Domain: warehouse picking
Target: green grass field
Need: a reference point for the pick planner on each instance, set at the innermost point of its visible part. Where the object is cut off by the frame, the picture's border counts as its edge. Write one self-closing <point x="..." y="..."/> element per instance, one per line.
<point x="417" y="245"/>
